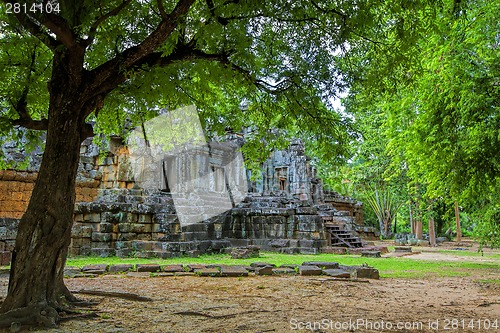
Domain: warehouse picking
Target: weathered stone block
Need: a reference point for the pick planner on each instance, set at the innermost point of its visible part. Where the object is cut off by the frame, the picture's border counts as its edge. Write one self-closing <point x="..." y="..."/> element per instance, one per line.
<point x="233" y="271"/>
<point x="261" y="264"/>
<point x="123" y="253"/>
<point x="322" y="264"/>
<point x="121" y="268"/>
<point x="284" y="271"/>
<point x="337" y="273"/>
<point x="103" y="252"/>
<point x="245" y="252"/>
<point x="366" y="273"/>
<point x="148" y="268"/>
<point x="95" y="268"/>
<point x="102" y="237"/>
<point x="173" y="268"/>
<point x="207" y="272"/>
<point x="279" y="243"/>
<point x="309" y="270"/>
<point x="265" y="270"/>
<point x="371" y="254"/>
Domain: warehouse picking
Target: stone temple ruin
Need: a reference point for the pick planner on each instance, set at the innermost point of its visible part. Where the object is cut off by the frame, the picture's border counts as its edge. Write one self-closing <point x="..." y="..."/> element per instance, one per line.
<point x="286" y="210"/>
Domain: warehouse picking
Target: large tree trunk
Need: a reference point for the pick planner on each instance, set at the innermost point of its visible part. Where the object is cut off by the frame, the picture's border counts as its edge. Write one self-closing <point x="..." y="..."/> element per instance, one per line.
<point x="37" y="270"/>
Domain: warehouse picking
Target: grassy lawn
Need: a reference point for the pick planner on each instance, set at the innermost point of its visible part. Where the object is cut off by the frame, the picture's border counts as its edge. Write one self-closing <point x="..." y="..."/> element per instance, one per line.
<point x="388" y="267"/>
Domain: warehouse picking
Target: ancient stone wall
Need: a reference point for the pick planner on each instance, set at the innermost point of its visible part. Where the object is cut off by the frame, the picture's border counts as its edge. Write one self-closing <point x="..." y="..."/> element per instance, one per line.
<point x="286" y="211"/>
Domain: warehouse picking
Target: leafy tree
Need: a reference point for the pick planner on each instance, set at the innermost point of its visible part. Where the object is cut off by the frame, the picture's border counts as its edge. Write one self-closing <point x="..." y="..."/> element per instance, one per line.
<point x="438" y="96"/>
<point x="75" y="68"/>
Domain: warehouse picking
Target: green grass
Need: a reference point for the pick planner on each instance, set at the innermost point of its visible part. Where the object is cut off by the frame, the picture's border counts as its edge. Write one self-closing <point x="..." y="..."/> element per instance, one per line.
<point x="466" y="253"/>
<point x="388" y="267"/>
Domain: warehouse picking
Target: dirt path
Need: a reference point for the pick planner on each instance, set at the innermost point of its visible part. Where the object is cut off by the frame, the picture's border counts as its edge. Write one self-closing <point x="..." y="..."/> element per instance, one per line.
<point x="288" y="304"/>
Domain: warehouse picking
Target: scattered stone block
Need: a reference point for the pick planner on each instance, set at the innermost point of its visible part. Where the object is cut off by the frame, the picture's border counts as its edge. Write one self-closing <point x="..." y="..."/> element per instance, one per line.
<point x="371" y="254"/>
<point x="309" y="270"/>
<point x="322" y="264"/>
<point x="173" y="269"/>
<point x="193" y="267"/>
<point x="72" y="271"/>
<point x="95" y="269"/>
<point x="152" y="268"/>
<point x="245" y="252"/>
<point x="264" y="270"/>
<point x="193" y="253"/>
<point x="233" y="271"/>
<point x="366" y="273"/>
<point x="120" y="268"/>
<point x="284" y="271"/>
<point x="261" y="264"/>
<point x="337" y="273"/>
<point x="402" y="249"/>
<point x="207" y="271"/>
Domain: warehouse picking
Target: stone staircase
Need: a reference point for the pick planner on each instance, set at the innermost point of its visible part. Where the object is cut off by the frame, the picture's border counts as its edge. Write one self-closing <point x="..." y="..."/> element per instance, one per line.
<point x="338" y="237"/>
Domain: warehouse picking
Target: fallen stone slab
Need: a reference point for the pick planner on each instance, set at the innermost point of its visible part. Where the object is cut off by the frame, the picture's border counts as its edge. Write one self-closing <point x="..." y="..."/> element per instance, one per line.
<point x="173" y="268"/>
<point x="264" y="270"/>
<point x="152" y="268"/>
<point x="337" y="273"/>
<point x="366" y="273"/>
<point x="98" y="269"/>
<point x="322" y="264"/>
<point x="233" y="271"/>
<point x="192" y="267"/>
<point x="402" y="249"/>
<point x="120" y="268"/>
<point x="309" y="270"/>
<point x="292" y="266"/>
<point x="284" y="271"/>
<point x="72" y="271"/>
<point x="261" y="264"/>
<point x="371" y="254"/>
<point x="207" y="272"/>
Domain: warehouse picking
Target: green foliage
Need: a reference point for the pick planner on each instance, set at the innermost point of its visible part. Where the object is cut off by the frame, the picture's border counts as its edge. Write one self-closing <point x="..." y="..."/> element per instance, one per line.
<point x="428" y="108"/>
<point x="385" y="206"/>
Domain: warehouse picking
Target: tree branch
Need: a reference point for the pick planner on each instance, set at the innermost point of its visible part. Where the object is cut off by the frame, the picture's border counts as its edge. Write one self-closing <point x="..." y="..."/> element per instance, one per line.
<point x="35" y="29"/>
<point x="93" y="29"/>
<point x="161" y="8"/>
<point x="130" y="57"/>
<point x="39" y="125"/>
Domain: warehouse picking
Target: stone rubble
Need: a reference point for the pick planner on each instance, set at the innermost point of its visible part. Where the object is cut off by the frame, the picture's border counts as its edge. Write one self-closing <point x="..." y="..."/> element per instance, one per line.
<point x="311" y="268"/>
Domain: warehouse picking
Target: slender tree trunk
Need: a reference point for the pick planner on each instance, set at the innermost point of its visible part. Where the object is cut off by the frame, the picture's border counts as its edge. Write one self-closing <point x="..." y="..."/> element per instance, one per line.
<point x="457" y="220"/>
<point x="36" y="283"/>
<point x="412" y="221"/>
<point x="418" y="225"/>
<point x="432" y="232"/>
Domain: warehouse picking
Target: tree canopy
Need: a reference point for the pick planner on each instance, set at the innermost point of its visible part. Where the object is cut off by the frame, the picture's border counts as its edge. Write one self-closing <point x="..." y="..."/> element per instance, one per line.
<point x="78" y="68"/>
<point x="428" y="110"/>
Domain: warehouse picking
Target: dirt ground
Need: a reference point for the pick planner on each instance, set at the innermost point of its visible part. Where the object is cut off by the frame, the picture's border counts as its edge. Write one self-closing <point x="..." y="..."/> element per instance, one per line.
<point x="292" y="303"/>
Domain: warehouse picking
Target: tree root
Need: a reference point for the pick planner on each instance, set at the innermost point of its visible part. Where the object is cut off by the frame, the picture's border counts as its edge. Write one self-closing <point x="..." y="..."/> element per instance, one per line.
<point x="128" y="296"/>
<point x="32" y="315"/>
